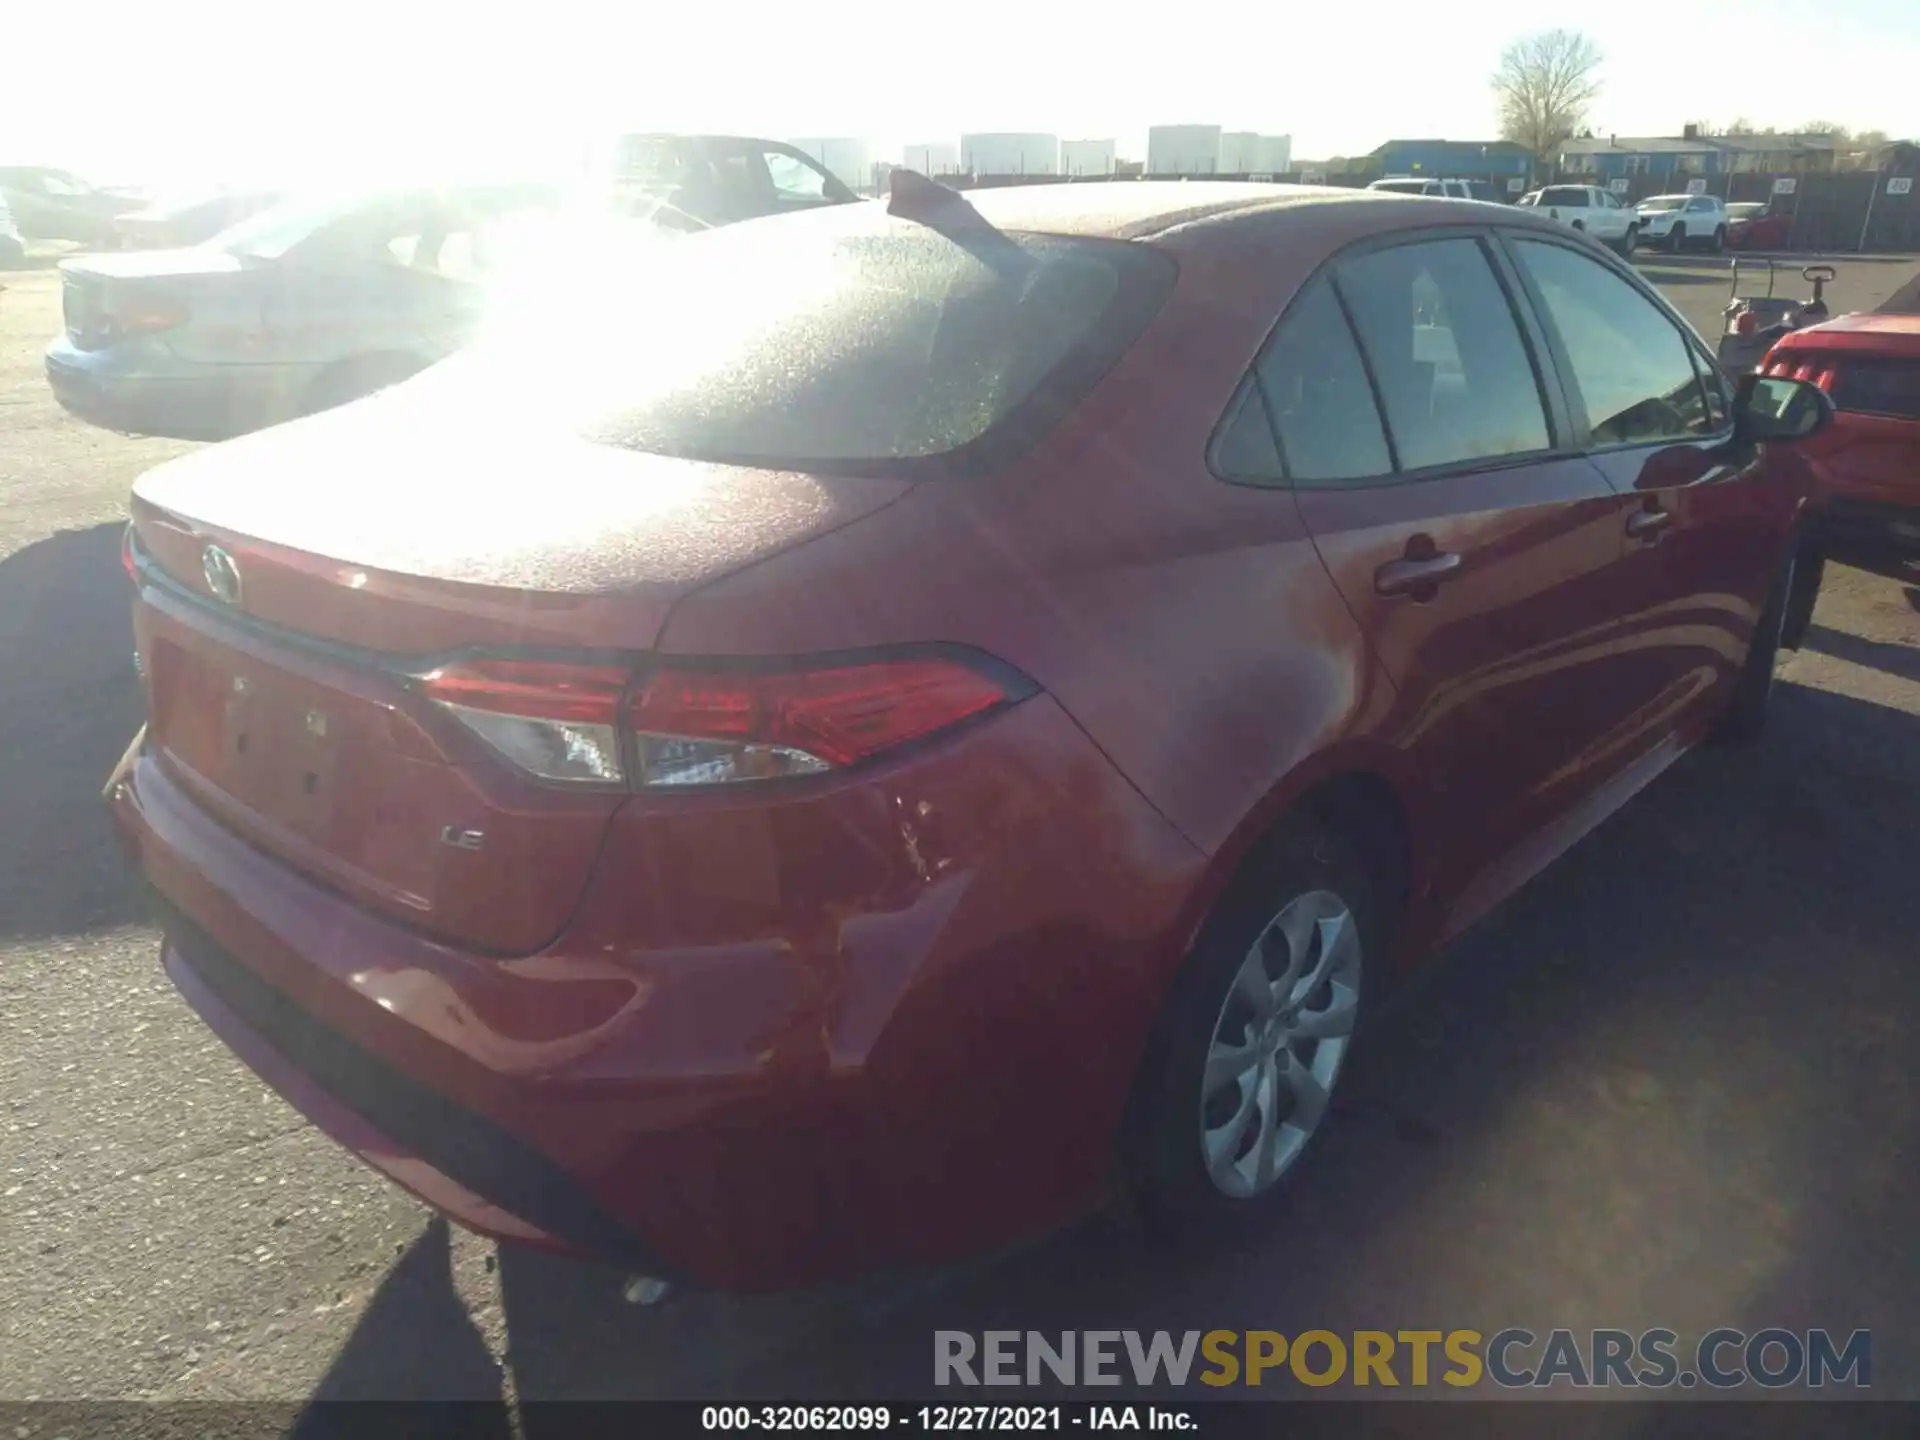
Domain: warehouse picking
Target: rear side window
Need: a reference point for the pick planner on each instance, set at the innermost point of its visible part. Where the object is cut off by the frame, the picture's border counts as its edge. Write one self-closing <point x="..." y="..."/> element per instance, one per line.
<point x="1446" y="352"/>
<point x="1633" y="368"/>
<point x="1879" y="387"/>
<point x="1244" y="451"/>
<point x="1316" y="387"/>
<point x="844" y="345"/>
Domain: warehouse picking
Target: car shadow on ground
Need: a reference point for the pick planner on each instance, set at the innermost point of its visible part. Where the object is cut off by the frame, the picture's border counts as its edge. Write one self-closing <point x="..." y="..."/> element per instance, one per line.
<point x="70" y="705"/>
<point x="1901" y="660"/>
<point x="1620" y="1101"/>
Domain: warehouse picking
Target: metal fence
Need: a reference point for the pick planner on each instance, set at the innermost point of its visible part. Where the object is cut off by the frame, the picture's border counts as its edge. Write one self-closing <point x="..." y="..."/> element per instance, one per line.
<point x="1855" y="210"/>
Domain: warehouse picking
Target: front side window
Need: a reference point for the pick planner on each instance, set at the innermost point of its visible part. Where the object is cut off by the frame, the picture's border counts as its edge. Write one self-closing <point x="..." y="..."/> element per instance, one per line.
<point x="1316" y="386"/>
<point x="1633" y="369"/>
<point x="1698" y="206"/>
<point x="1453" y="373"/>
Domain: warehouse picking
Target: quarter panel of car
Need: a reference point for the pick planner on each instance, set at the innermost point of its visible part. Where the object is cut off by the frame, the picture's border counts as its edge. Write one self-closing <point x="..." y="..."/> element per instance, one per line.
<point x="1185" y="622"/>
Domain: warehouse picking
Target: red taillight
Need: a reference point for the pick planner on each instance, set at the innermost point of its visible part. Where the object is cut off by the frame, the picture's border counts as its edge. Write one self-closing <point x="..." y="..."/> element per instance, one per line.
<point x="683" y="726"/>
<point x="127" y="561"/>
<point x="1745" y="323"/>
<point x="556" y="719"/>
<point x="554" y="689"/>
<point x="707" y="727"/>
<point x="139" y="316"/>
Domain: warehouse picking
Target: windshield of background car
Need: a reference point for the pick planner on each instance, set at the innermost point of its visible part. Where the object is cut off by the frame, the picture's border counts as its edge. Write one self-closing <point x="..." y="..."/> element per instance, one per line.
<point x="1404" y="187"/>
<point x="271" y="233"/>
<point x="1746" y="212"/>
<point x="1664" y="202"/>
<point x="868" y="344"/>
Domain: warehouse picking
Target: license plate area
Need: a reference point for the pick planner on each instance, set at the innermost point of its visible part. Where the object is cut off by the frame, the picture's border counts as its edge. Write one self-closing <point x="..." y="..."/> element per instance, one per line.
<point x="260" y="735"/>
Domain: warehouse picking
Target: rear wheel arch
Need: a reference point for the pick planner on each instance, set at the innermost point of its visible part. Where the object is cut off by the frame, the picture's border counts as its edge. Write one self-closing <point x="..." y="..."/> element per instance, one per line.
<point x="1349" y="822"/>
<point x="1368" y="800"/>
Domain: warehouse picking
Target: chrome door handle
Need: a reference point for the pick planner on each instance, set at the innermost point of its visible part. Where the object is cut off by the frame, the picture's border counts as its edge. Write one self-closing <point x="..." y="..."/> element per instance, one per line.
<point x="1400" y="577"/>
<point x="1648" y="524"/>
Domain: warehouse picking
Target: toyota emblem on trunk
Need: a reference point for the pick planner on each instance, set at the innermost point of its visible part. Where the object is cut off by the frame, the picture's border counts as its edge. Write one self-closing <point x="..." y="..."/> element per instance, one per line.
<point x="221" y="574"/>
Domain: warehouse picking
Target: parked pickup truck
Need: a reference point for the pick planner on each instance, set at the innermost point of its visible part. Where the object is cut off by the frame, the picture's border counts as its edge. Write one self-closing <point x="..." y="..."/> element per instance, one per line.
<point x="1588" y="207"/>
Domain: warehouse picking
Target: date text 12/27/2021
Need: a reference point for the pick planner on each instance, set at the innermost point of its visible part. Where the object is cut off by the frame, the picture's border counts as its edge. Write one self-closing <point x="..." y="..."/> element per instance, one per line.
<point x="942" y="1419"/>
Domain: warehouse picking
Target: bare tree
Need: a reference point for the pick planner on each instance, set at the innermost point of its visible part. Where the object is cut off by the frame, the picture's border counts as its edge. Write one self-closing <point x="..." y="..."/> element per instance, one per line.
<point x="1840" y="133"/>
<point x="1545" y="83"/>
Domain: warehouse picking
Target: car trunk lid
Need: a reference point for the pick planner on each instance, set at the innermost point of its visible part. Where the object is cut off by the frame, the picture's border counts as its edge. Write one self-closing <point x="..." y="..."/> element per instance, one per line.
<point x="292" y="588"/>
<point x="105" y="299"/>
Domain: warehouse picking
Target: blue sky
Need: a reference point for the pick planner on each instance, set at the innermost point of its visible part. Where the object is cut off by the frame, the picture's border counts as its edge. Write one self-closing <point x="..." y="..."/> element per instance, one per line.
<point x="187" y="90"/>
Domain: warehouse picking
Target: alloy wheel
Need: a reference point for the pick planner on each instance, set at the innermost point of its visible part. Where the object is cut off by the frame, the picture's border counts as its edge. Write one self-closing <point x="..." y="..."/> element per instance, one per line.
<point x="1278" y="1045"/>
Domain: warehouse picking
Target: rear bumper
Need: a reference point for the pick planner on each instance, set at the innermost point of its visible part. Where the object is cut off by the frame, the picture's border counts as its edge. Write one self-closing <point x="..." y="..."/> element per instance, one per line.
<point x="201" y="403"/>
<point x="758" y="1093"/>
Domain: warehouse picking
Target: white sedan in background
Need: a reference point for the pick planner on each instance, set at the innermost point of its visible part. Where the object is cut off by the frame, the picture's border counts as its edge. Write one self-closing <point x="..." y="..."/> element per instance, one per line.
<point x="1678" y="221"/>
<point x="1591" y="209"/>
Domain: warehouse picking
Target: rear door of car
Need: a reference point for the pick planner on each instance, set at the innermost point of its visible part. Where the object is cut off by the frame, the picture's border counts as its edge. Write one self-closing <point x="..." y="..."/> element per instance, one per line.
<point x="1707" y="527"/>
<point x="1423" y="431"/>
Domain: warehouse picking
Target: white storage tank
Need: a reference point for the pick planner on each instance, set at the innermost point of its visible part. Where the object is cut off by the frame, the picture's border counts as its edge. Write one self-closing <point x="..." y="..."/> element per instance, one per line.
<point x="849" y="159"/>
<point x="932" y="157"/>
<point x="1010" y="153"/>
<point x="1276" y="154"/>
<point x="1086" y="157"/>
<point x="1183" y="150"/>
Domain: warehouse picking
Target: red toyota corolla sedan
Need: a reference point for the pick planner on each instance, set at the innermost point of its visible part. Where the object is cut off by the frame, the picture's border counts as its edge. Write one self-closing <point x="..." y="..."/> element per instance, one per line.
<point x="921" y="715"/>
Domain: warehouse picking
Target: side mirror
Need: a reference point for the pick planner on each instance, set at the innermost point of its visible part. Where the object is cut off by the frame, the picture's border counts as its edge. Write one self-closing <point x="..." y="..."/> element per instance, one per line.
<point x="1772" y="407"/>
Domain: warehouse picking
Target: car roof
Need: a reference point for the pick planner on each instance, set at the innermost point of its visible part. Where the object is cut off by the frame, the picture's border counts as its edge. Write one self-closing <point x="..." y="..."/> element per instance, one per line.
<point x="1141" y="209"/>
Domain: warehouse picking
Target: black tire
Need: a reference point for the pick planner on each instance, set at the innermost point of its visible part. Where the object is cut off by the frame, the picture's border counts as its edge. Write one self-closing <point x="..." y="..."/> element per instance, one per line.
<point x="1677" y="238"/>
<point x="1165" y="1176"/>
<point x="1720" y="240"/>
<point x="1745" y="717"/>
<point x="355" y="380"/>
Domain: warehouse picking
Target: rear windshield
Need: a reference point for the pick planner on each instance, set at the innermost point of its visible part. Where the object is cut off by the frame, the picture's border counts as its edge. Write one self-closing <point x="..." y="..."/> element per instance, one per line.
<point x="1564" y="195"/>
<point x="1746" y="212"/>
<point x="1879" y="387"/>
<point x="1664" y="202"/>
<point x="1403" y="187"/>
<point x="851" y="346"/>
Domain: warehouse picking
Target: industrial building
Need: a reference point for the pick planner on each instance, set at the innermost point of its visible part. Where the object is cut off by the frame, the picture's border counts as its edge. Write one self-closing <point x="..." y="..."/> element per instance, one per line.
<point x="1010" y="154"/>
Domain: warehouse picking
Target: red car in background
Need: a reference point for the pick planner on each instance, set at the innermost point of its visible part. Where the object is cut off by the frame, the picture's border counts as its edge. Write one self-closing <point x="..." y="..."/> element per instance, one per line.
<point x="1867" y="463"/>
<point x="1756" y="227"/>
<point x="897" y="721"/>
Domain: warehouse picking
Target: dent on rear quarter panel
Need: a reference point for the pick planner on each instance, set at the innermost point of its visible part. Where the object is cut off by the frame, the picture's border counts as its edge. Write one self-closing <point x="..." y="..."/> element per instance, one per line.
<point x="1187" y="624"/>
